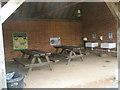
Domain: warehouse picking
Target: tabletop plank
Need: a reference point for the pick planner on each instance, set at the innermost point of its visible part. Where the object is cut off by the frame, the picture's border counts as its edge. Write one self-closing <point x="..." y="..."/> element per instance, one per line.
<point x="36" y="53"/>
<point x="68" y="47"/>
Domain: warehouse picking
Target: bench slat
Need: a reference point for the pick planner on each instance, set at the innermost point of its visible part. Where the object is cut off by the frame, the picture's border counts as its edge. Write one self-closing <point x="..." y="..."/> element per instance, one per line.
<point x="23" y="61"/>
<point x="72" y="57"/>
<point x="27" y="62"/>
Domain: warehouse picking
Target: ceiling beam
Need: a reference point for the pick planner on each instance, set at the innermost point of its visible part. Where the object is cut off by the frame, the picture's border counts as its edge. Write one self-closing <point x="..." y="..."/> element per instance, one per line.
<point x="60" y="8"/>
<point x="114" y="9"/>
<point x="9" y="8"/>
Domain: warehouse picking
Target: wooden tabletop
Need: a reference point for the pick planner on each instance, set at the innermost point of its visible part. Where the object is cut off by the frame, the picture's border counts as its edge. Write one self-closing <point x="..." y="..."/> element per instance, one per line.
<point x="67" y="47"/>
<point x="35" y="52"/>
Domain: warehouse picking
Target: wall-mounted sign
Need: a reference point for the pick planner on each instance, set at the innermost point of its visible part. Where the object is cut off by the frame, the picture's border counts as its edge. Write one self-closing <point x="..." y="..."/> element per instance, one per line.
<point x="110" y="35"/>
<point x="93" y="35"/>
<point x="20" y="41"/>
<point x="55" y="41"/>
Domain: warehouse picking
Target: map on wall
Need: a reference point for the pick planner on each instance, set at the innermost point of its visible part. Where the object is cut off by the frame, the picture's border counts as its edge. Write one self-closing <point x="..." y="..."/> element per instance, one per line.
<point x="55" y="41"/>
<point x="20" y="41"/>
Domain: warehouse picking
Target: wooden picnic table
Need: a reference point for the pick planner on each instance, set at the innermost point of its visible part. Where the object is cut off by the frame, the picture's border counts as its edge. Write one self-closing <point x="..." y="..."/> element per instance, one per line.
<point x="34" y="59"/>
<point x="74" y="52"/>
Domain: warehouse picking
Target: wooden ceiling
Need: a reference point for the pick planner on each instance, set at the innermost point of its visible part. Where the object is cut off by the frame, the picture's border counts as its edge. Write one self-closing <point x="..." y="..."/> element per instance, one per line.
<point x="47" y="10"/>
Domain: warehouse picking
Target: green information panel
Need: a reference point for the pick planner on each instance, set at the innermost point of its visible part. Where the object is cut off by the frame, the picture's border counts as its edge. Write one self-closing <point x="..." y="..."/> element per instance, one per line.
<point x="20" y="41"/>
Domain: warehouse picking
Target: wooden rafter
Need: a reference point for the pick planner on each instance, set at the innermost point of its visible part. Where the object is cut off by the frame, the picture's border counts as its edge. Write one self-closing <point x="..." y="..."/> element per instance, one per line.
<point x="9" y="8"/>
<point x="60" y="8"/>
<point x="114" y="9"/>
<point x="5" y="12"/>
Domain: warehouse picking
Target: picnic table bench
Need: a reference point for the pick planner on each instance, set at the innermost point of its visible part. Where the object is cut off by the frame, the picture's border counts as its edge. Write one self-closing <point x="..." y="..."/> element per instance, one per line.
<point x="34" y="59"/>
<point x="70" y="52"/>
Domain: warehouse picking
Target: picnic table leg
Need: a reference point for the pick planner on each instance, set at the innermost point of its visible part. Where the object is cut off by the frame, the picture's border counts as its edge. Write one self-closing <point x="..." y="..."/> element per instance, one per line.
<point x="17" y="64"/>
<point x="82" y="58"/>
<point x="62" y="51"/>
<point x="47" y="58"/>
<point x="23" y="55"/>
<point x="39" y="60"/>
<point x="30" y="56"/>
<point x="81" y="55"/>
<point x="56" y="50"/>
<point x="32" y="62"/>
<point x="69" y="57"/>
<point x="74" y="53"/>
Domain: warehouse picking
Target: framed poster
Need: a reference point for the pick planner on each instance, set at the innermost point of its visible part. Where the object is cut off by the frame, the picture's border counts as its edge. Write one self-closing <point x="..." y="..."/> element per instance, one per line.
<point x="55" y="41"/>
<point x="110" y="35"/>
<point x="93" y="35"/>
<point x="20" y="41"/>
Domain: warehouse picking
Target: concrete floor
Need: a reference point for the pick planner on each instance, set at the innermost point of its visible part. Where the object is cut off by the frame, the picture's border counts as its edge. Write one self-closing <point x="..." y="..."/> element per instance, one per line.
<point x="77" y="74"/>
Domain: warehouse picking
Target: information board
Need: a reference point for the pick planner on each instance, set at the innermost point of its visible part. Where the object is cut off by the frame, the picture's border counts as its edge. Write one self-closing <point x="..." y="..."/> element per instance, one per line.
<point x="55" y="41"/>
<point x="20" y="41"/>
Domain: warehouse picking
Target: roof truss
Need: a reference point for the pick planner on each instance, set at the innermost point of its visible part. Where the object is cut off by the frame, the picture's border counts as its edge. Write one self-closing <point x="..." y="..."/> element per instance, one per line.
<point x="9" y="8"/>
<point x="114" y="9"/>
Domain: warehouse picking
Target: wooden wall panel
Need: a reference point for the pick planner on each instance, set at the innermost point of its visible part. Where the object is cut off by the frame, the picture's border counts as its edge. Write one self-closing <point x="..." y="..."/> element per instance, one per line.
<point x="39" y="33"/>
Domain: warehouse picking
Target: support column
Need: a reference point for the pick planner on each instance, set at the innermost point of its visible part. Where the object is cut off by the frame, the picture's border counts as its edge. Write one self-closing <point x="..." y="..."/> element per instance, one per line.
<point x="2" y="59"/>
<point x="118" y="48"/>
<point x="5" y="12"/>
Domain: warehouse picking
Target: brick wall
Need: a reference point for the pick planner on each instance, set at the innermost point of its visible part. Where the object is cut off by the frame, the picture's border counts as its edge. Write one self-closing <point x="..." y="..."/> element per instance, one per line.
<point x="39" y="33"/>
<point x="97" y="19"/>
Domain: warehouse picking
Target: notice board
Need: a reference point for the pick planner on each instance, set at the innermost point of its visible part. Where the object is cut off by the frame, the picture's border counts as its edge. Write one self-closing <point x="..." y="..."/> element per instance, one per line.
<point x="20" y="41"/>
<point x="55" y="41"/>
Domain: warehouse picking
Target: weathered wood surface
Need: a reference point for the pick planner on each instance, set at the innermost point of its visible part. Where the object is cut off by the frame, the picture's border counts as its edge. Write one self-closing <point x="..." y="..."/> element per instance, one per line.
<point x="67" y="47"/>
<point x="5" y="12"/>
<point x="2" y="58"/>
<point x="72" y="52"/>
<point x="73" y="57"/>
<point x="118" y="44"/>
<point x="36" y="53"/>
<point x="27" y="63"/>
<point x="114" y="9"/>
<point x="23" y="61"/>
<point x="34" y="59"/>
<point x="9" y="8"/>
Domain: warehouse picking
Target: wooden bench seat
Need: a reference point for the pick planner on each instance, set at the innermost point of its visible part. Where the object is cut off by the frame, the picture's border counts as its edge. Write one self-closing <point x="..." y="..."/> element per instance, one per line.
<point x="27" y="62"/>
<point x="73" y="57"/>
<point x="58" y="54"/>
<point x="23" y="61"/>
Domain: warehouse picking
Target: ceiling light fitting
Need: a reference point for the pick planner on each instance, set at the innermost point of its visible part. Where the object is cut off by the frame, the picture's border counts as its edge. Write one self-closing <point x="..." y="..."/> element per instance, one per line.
<point x="78" y="13"/>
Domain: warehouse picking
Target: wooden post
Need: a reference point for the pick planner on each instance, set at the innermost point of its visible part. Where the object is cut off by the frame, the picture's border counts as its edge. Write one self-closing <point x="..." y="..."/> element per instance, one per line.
<point x="2" y="59"/>
<point x="116" y="13"/>
<point x="5" y="12"/>
<point x="118" y="36"/>
<point x="118" y="42"/>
